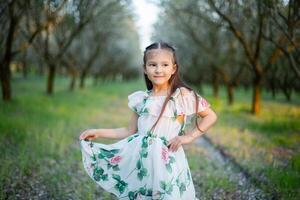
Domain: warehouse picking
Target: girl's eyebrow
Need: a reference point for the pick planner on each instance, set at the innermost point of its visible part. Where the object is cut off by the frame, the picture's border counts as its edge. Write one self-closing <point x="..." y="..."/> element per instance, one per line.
<point x="150" y="61"/>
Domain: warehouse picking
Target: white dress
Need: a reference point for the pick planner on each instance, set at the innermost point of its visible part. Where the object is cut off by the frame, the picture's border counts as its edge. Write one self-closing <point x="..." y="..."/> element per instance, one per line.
<point x="141" y="166"/>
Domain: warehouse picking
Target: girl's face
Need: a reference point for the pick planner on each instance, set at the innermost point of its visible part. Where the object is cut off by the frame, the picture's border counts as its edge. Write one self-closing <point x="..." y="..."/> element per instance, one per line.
<point x="159" y="66"/>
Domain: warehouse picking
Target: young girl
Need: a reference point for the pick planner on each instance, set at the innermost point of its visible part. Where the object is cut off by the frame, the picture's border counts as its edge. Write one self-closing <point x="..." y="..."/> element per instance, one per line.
<point x="149" y="161"/>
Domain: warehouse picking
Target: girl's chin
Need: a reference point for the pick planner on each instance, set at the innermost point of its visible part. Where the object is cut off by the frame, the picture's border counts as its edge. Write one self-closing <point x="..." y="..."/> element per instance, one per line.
<point x="159" y="81"/>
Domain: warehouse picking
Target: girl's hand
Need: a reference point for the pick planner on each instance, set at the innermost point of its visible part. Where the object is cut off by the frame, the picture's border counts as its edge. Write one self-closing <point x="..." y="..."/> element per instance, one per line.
<point x="89" y="134"/>
<point x="177" y="141"/>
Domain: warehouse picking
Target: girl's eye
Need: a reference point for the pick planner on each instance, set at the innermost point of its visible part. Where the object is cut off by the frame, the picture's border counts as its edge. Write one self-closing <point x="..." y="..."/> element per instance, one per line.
<point x="165" y="65"/>
<point x="152" y="65"/>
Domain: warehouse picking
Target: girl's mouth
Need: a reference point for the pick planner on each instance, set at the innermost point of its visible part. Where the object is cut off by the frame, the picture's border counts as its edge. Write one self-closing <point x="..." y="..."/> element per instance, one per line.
<point x="158" y="76"/>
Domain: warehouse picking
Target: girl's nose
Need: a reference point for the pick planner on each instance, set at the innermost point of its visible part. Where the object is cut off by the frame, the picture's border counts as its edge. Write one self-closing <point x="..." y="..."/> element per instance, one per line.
<point x="158" y="68"/>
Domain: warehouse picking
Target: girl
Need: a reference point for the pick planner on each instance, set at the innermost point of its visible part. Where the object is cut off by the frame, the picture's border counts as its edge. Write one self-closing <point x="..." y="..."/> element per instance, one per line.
<point x="149" y="161"/>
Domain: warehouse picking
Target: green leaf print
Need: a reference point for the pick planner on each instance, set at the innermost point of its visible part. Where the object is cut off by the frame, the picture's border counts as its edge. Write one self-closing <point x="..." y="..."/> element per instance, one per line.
<point x="116" y="168"/>
<point x="168" y="165"/>
<point x="144" y="100"/>
<point x="132" y="137"/>
<point x="149" y="133"/>
<point x="145" y="142"/>
<point x="131" y="195"/>
<point x="139" y="164"/>
<point x="182" y="188"/>
<point x="167" y="187"/>
<point x="107" y="153"/>
<point x="142" y="190"/>
<point x="181" y="131"/>
<point x="182" y="185"/>
<point x="149" y="192"/>
<point x="142" y="173"/>
<point x="172" y="99"/>
<point x="144" y="153"/>
<point x="101" y="156"/>
<point x="93" y="157"/>
<point x="175" y="115"/>
<point x="163" y="185"/>
<point x="188" y="174"/>
<point x="169" y="168"/>
<point x="135" y="109"/>
<point x="164" y="139"/>
<point x="98" y="174"/>
<point x="116" y="177"/>
<point x="114" y="151"/>
<point x="172" y="159"/>
<point x="177" y="181"/>
<point x="121" y="185"/>
<point x="145" y="110"/>
<point x="109" y="165"/>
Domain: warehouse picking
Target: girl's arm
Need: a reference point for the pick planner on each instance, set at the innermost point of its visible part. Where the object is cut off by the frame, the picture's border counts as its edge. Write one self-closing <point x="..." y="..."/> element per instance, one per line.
<point x="209" y="117"/>
<point x="117" y="133"/>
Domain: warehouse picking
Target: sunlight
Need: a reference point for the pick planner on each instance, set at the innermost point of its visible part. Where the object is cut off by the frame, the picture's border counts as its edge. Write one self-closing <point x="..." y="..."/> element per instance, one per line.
<point x="146" y="16"/>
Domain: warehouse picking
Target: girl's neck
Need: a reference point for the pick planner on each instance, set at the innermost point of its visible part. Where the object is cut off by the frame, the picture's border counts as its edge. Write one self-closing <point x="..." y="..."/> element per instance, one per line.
<point x="160" y="90"/>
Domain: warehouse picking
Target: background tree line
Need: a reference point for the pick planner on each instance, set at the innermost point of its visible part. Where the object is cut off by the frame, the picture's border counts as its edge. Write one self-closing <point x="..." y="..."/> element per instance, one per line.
<point x="73" y="38"/>
<point x="253" y="44"/>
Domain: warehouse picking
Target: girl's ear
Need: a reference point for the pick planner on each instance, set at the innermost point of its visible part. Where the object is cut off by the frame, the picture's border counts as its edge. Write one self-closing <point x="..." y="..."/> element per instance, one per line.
<point x="174" y="68"/>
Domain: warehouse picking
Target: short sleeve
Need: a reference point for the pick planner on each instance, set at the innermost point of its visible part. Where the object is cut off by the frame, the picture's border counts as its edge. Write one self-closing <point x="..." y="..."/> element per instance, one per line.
<point x="135" y="100"/>
<point x="189" y="101"/>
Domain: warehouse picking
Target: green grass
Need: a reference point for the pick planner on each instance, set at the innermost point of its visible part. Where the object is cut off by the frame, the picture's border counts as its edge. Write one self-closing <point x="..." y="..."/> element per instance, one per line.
<point x="40" y="151"/>
<point x="267" y="144"/>
<point x="39" y="135"/>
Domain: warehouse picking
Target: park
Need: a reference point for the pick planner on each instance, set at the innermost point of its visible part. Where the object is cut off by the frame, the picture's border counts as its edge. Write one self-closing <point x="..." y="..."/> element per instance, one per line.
<point x="69" y="65"/>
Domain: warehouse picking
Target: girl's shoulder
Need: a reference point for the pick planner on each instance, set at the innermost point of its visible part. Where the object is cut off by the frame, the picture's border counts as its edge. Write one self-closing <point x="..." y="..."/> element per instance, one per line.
<point x="183" y="100"/>
<point x="138" y="93"/>
<point x="188" y="99"/>
<point x="184" y="92"/>
<point x="179" y="92"/>
<point x="136" y="98"/>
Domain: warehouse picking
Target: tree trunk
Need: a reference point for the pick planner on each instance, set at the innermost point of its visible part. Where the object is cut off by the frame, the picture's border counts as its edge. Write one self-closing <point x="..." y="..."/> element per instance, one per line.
<point x="273" y="90"/>
<point x="287" y="93"/>
<point x="72" y="82"/>
<point x="5" y="82"/>
<point x="24" y="65"/>
<point x="215" y="85"/>
<point x="257" y="82"/>
<point x="96" y="79"/>
<point x="5" y="63"/>
<point x="82" y="79"/>
<point x="50" y="81"/>
<point x="230" y="93"/>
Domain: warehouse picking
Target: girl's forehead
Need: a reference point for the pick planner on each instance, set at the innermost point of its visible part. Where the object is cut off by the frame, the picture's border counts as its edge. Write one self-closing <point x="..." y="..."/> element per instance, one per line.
<point x="159" y="54"/>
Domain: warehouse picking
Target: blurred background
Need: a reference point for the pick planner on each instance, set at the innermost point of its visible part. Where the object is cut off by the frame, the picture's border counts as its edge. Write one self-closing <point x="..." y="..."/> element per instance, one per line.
<point x="69" y="65"/>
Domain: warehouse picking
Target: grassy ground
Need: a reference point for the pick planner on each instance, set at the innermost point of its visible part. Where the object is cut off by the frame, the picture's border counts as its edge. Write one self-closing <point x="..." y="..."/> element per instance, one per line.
<point x="266" y="145"/>
<point x="41" y="156"/>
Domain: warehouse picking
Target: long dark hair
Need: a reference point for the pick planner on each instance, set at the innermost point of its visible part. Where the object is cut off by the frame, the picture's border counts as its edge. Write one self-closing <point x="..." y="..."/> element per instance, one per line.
<point x="175" y="80"/>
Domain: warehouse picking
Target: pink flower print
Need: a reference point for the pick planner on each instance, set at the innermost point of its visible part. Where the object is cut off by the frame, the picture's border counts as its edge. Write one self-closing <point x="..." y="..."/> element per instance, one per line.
<point x="115" y="160"/>
<point x="165" y="154"/>
<point x="203" y="102"/>
<point x="139" y="197"/>
<point x="156" y="195"/>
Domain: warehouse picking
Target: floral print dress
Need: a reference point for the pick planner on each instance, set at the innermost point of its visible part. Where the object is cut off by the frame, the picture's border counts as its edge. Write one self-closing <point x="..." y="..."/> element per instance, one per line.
<point x="141" y="165"/>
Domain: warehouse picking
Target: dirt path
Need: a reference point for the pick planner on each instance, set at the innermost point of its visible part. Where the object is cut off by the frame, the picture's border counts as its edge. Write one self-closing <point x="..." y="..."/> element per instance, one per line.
<point x="245" y="188"/>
